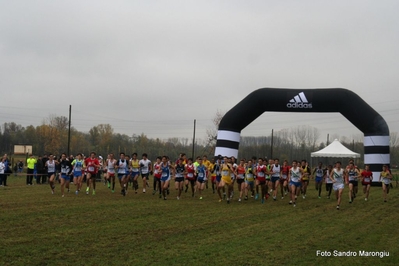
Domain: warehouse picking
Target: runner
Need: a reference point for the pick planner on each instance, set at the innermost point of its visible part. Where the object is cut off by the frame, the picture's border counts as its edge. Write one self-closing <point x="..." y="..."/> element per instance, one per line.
<point x="135" y="163"/>
<point x="249" y="179"/>
<point x="338" y="176"/>
<point x="179" y="177"/>
<point x="353" y="174"/>
<point x="50" y="164"/>
<point x="275" y="172"/>
<point x="200" y="171"/>
<point x="232" y="161"/>
<point x="319" y="177"/>
<point x="78" y="165"/>
<point x="285" y="168"/>
<point x="157" y="176"/>
<point x="241" y="178"/>
<point x="122" y="165"/>
<point x="207" y="165"/>
<point x="110" y="166"/>
<point x="269" y="184"/>
<point x="212" y="172"/>
<point x="367" y="177"/>
<point x="218" y="176"/>
<point x="226" y="169"/>
<point x="261" y="172"/>
<point x="165" y="177"/>
<point x="329" y="183"/>
<point x="385" y="178"/>
<point x="190" y="175"/>
<point x="66" y="170"/>
<point x="305" y="177"/>
<point x="145" y="169"/>
<point x="92" y="165"/>
<point x="295" y="178"/>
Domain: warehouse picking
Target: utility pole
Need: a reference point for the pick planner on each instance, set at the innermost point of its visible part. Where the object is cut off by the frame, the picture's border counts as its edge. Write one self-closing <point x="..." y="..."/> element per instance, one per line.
<point x="193" y="151"/>
<point x="69" y="131"/>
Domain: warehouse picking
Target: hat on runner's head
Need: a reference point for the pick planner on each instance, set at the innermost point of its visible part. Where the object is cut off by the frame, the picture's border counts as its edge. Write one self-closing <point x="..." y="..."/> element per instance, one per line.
<point x="100" y="157"/>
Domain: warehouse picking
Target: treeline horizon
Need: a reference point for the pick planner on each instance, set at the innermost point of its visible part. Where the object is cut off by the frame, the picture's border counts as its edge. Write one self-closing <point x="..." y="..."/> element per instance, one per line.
<point x="52" y="137"/>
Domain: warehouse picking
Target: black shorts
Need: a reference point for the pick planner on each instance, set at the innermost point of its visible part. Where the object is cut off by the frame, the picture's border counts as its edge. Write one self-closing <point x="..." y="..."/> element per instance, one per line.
<point x="354" y="183"/>
<point x="179" y="179"/>
<point x="240" y="181"/>
<point x="145" y="175"/>
<point x="262" y="182"/>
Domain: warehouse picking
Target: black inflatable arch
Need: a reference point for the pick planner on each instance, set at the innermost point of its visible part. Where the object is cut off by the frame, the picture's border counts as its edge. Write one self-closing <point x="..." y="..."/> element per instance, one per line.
<point x="346" y="102"/>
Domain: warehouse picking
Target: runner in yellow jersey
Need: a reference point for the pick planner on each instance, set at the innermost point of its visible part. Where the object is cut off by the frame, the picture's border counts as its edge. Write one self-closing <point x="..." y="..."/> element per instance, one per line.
<point x="135" y="163"/>
<point x="226" y="170"/>
<point x="305" y="177"/>
<point x="385" y="178"/>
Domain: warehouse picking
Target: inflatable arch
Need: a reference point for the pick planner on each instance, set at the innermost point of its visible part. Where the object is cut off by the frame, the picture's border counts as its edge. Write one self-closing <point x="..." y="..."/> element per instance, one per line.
<point x="346" y="102"/>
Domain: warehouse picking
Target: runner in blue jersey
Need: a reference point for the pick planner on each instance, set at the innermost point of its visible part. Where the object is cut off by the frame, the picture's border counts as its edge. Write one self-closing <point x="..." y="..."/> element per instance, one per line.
<point x="66" y="169"/>
<point x="200" y="171"/>
<point x="165" y="176"/>
<point x="319" y="171"/>
<point x="78" y="165"/>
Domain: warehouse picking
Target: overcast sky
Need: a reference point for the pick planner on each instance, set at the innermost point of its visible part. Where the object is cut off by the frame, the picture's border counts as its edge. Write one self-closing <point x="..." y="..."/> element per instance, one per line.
<point x="155" y="66"/>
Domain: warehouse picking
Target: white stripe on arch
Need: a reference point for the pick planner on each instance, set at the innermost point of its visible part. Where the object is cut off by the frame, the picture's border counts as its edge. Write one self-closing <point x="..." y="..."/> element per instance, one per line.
<point x="229" y="135"/>
<point x="226" y="152"/>
<point x="376" y="141"/>
<point x="377" y="159"/>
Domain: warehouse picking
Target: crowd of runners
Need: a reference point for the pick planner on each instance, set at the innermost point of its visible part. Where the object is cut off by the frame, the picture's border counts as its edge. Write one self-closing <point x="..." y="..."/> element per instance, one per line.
<point x="256" y="178"/>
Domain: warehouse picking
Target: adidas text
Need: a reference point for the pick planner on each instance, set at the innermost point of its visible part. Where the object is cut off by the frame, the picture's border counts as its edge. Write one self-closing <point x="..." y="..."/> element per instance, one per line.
<point x="299" y="105"/>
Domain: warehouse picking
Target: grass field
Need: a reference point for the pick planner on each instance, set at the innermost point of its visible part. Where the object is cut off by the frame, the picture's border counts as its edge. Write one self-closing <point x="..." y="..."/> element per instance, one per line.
<point x="38" y="228"/>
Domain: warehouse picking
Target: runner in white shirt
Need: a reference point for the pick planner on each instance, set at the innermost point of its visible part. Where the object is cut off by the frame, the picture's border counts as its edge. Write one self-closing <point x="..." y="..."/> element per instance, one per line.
<point x="145" y="170"/>
<point x="338" y="176"/>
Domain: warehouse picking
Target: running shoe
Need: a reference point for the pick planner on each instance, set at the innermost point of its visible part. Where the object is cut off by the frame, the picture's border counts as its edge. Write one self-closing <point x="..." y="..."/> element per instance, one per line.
<point x="263" y="201"/>
<point x="76" y="192"/>
<point x="294" y="204"/>
<point x="94" y="192"/>
<point x="87" y="191"/>
<point x="239" y="200"/>
<point x="365" y="199"/>
<point x="274" y="198"/>
<point x="143" y="190"/>
<point x="178" y="198"/>
<point x="256" y="196"/>
<point x="304" y="196"/>
<point x="109" y="184"/>
<point x="228" y="201"/>
<point x="350" y="201"/>
<point x="201" y="198"/>
<point x="220" y="200"/>
<point x="246" y="198"/>
<point x="164" y="198"/>
<point x="62" y="195"/>
<point x="337" y="207"/>
<point x="290" y="202"/>
<point x="282" y="197"/>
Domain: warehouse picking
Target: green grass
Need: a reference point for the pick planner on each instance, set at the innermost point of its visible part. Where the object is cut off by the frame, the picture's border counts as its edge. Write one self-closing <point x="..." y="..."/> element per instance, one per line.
<point x="38" y="228"/>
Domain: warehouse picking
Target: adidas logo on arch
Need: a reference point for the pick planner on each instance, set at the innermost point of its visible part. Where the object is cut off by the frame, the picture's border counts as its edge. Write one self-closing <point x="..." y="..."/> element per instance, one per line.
<point x="299" y="101"/>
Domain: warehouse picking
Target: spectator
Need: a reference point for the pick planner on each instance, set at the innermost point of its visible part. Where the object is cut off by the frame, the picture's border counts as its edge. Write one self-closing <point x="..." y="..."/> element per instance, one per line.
<point x="15" y="169"/>
<point x="31" y="161"/>
<point x="2" y="172"/>
<point x="40" y="171"/>
<point x="20" y="166"/>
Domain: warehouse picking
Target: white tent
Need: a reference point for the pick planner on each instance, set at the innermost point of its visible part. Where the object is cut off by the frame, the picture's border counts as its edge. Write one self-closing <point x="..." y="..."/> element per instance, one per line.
<point x="337" y="150"/>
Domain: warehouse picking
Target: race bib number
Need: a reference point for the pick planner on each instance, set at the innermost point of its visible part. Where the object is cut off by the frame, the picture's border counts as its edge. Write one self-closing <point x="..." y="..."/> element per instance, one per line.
<point x="164" y="174"/>
<point x="250" y="175"/>
<point x="201" y="175"/>
<point x="240" y="176"/>
<point x="225" y="173"/>
<point x="91" y="168"/>
<point x="190" y="175"/>
<point x="261" y="174"/>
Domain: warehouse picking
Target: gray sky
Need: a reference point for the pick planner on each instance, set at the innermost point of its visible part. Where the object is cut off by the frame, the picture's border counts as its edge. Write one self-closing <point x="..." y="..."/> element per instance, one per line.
<point x="155" y="66"/>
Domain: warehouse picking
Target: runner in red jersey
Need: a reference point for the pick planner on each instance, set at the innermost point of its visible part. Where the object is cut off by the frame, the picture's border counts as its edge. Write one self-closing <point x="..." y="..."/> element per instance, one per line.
<point x="190" y="177"/>
<point x="367" y="177"/>
<point x="92" y="165"/>
<point x="241" y="178"/>
<point x="261" y="172"/>
<point x="157" y="177"/>
<point x="285" y="168"/>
